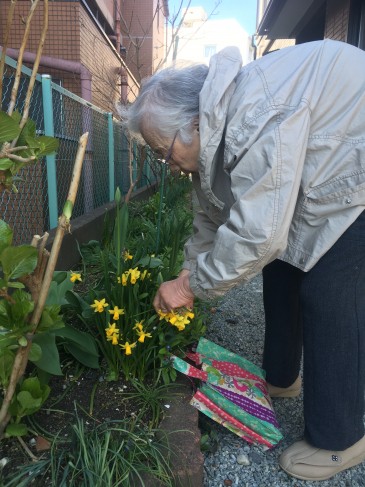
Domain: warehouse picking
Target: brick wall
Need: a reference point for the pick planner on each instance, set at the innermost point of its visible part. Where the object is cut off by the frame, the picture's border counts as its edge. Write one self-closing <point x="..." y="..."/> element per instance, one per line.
<point x="72" y="35"/>
<point x="337" y="19"/>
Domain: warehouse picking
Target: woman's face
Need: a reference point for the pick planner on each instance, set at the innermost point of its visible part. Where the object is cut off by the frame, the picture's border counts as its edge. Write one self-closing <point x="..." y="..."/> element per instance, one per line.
<point x="183" y="157"/>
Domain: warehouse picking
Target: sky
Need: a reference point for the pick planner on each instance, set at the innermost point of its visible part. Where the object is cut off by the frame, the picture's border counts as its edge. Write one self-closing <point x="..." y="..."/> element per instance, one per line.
<point x="244" y="11"/>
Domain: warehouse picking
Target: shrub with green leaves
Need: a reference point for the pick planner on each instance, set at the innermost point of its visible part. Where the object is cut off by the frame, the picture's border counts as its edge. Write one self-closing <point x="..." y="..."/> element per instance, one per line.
<point x="16" y="308"/>
<point x="20" y="147"/>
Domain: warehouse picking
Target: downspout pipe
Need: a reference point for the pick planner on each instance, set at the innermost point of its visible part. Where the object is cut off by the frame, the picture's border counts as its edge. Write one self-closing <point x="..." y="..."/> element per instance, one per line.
<point x="62" y="65"/>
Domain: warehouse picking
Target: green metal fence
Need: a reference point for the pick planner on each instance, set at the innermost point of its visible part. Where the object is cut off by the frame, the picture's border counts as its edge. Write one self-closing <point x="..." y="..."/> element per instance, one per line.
<point x="43" y="187"/>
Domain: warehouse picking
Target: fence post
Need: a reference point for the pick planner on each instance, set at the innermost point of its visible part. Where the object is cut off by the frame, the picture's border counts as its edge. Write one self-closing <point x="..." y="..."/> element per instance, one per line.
<point x="111" y="156"/>
<point x="50" y="159"/>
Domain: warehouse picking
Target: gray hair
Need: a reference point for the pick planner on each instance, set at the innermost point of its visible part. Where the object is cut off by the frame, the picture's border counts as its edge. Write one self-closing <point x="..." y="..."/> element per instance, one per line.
<point x="168" y="103"/>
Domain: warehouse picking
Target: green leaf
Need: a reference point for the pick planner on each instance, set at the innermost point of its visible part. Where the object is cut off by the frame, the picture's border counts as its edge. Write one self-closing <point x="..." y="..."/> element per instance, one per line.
<point x="22" y="341"/>
<point x="85" y="358"/>
<point x="121" y="228"/>
<point x="18" y="261"/>
<point x="84" y="340"/>
<point x="51" y="318"/>
<point x="76" y="303"/>
<point x="50" y="360"/>
<point x="60" y="285"/>
<point x="6" y="235"/>
<point x="5" y="163"/>
<point x="150" y="262"/>
<point x="29" y="130"/>
<point x="67" y="209"/>
<point x="48" y="145"/>
<point x="35" y="388"/>
<point x="32" y="142"/>
<point x="6" y="364"/>
<point x="16" y="430"/>
<point x="22" y="307"/>
<point x="9" y="128"/>
<point x="16" y="285"/>
<point x="35" y="352"/>
<point x="27" y="401"/>
<point x="81" y="345"/>
<point x="59" y="276"/>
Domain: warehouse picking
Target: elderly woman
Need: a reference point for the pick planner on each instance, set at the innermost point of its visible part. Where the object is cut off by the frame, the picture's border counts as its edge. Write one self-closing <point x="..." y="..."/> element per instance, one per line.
<point x="276" y="150"/>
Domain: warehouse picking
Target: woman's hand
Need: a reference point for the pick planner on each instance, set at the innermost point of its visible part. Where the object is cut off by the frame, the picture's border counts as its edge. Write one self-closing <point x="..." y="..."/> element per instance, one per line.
<point x="174" y="294"/>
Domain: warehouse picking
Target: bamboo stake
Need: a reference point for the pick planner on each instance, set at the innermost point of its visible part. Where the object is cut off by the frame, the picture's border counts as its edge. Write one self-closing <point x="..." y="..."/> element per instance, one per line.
<point x="63" y="226"/>
<point x="35" y="66"/>
<point x="9" y="21"/>
<point x="14" y="91"/>
<point x="21" y="358"/>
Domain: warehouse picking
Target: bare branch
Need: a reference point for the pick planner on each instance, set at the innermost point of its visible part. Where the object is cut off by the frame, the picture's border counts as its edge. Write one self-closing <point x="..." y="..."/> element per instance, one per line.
<point x="139" y="175"/>
<point x="13" y="157"/>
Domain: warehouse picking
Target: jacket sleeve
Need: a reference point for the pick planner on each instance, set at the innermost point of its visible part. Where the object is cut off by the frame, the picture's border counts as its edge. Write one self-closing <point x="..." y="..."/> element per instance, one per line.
<point x="265" y="182"/>
<point x="204" y="231"/>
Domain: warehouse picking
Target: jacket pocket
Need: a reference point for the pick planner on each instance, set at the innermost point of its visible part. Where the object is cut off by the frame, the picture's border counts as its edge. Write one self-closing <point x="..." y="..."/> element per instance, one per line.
<point x="350" y="187"/>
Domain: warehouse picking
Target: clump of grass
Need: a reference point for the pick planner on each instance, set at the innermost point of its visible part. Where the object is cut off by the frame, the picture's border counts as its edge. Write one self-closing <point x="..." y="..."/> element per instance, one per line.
<point x="114" y="453"/>
<point x="150" y="398"/>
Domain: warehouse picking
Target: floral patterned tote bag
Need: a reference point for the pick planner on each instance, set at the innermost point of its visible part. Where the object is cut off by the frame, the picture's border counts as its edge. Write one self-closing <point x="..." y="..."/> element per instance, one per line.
<point x="233" y="392"/>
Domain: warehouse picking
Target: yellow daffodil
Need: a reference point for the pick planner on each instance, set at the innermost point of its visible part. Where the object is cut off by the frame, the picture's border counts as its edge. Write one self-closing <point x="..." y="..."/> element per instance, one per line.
<point x="116" y="312"/>
<point x="178" y="319"/>
<point x="142" y="335"/>
<point x="114" y="338"/>
<point x="111" y="329"/>
<point x="127" y="256"/>
<point x="99" y="305"/>
<point x="138" y="325"/>
<point x="144" y="274"/>
<point x="123" y="279"/>
<point x="127" y="347"/>
<point x="135" y="274"/>
<point x="75" y="276"/>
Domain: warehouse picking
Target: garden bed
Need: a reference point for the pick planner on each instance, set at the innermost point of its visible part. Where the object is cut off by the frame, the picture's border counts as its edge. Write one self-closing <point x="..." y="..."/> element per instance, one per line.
<point x="88" y="425"/>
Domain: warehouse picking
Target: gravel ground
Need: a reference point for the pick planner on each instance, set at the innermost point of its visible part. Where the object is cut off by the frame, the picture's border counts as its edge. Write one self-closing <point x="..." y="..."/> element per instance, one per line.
<point x="238" y="325"/>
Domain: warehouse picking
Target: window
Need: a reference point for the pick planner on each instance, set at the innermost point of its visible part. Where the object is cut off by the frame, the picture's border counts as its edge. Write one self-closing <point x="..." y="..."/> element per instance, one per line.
<point x="209" y="50"/>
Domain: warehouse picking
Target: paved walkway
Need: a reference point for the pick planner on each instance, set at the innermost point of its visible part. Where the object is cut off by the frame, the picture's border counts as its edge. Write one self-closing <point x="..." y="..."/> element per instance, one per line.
<point x="238" y="325"/>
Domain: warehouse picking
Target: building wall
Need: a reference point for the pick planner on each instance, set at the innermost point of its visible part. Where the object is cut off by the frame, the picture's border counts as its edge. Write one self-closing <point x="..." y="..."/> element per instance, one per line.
<point x="265" y="45"/>
<point x="198" y="39"/>
<point x="143" y="30"/>
<point x="337" y="19"/>
<point x="159" y="36"/>
<point x="108" y="10"/>
<point x="106" y="71"/>
<point x="72" y="35"/>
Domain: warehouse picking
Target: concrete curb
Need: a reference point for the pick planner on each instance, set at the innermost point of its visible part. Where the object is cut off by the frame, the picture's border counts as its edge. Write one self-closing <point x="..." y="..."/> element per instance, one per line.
<point x="181" y="425"/>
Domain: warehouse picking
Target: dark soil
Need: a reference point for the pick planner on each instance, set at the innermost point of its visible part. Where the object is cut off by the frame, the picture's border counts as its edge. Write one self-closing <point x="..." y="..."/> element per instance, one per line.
<point x="79" y="393"/>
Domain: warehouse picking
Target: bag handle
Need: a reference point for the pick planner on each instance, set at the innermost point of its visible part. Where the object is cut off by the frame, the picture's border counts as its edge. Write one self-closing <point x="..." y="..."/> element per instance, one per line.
<point x="188" y="369"/>
<point x="197" y="358"/>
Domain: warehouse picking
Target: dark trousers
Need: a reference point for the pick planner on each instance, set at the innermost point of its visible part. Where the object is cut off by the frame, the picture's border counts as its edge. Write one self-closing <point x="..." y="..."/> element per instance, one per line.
<point x="321" y="312"/>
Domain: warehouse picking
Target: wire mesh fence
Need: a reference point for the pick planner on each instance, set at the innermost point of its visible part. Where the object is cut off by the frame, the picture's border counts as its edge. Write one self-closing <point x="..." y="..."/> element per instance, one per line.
<point x="42" y="188"/>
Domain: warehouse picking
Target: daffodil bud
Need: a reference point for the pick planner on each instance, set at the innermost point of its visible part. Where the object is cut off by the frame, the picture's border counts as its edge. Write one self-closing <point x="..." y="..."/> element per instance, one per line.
<point x="118" y="196"/>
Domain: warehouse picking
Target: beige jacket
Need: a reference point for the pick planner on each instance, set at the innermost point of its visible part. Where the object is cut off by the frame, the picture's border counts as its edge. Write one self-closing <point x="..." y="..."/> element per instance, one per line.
<point x="282" y="166"/>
